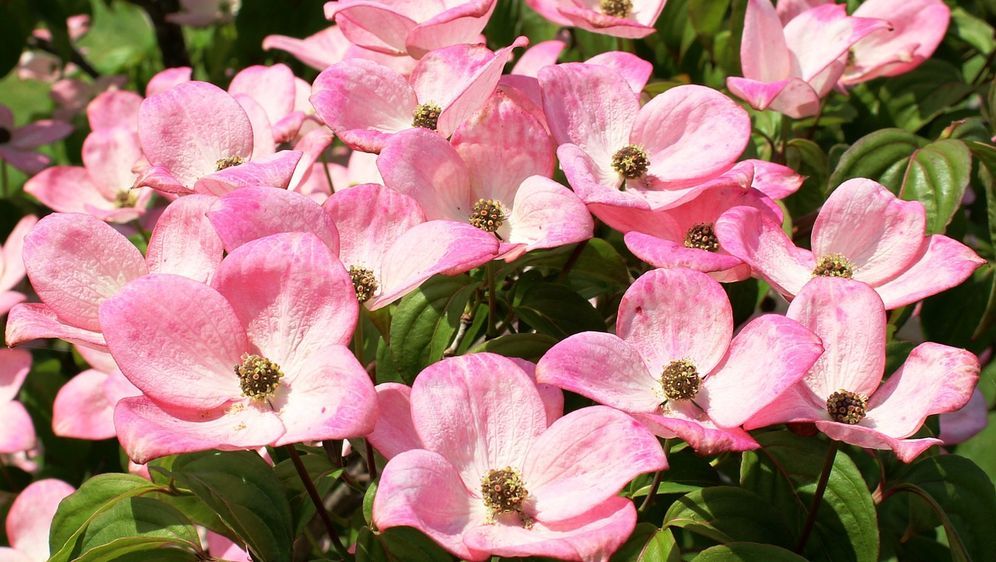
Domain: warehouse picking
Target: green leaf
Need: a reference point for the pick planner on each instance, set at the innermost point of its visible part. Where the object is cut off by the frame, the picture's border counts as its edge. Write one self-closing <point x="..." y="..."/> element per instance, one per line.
<point x="525" y="346"/>
<point x="966" y="495"/>
<point x="95" y="496"/>
<point x="648" y="544"/>
<point x="321" y="472"/>
<point x="784" y="472"/>
<point x="120" y="36"/>
<point x="246" y="495"/>
<point x="914" y="99"/>
<point x="972" y="30"/>
<point x="952" y="317"/>
<point x="728" y="514"/>
<point x="747" y="552"/>
<point x="424" y="322"/>
<point x="398" y="544"/>
<point x="554" y="309"/>
<point x="137" y="524"/>
<point x="707" y="16"/>
<point x="881" y="156"/>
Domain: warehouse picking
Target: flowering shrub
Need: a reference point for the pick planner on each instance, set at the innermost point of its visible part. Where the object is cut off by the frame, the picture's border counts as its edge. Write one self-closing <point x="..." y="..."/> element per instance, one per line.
<point x="483" y="280"/>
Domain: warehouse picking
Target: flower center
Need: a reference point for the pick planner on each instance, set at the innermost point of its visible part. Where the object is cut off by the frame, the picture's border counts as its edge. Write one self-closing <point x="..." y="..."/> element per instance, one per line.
<point x="834" y="265"/>
<point x="258" y="376"/>
<point x="125" y="198"/>
<point x="426" y="116"/>
<point x="364" y="282"/>
<point x="680" y="380"/>
<point x="488" y="215"/>
<point x="5" y="135"/>
<point x="503" y="491"/>
<point x="631" y="161"/>
<point x="702" y="237"/>
<point x="847" y="407"/>
<point x="617" y="8"/>
<point x="228" y="162"/>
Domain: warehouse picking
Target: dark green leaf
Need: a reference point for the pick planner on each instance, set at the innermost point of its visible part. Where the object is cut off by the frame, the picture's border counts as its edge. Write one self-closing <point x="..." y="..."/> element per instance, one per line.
<point x="137" y="524"/>
<point x="554" y="309"/>
<point x="747" y="552"/>
<point x="648" y="544"/>
<point x="525" y="346"/>
<point x="16" y="24"/>
<point x="881" y="156"/>
<point x="398" y="544"/>
<point x="728" y="514"/>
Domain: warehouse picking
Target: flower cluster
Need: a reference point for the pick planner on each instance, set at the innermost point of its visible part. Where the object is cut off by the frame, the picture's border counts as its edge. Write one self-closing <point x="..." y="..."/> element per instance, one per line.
<point x="220" y="249"/>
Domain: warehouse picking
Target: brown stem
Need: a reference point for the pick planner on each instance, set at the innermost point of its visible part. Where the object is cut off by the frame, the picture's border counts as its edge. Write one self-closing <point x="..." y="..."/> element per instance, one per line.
<point x="821" y="488"/>
<point x="169" y="35"/>
<point x="75" y="56"/>
<point x="316" y="499"/>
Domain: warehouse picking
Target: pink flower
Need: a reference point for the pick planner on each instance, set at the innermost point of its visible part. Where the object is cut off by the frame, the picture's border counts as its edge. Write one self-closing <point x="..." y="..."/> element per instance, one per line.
<point x="390" y="248"/>
<point x="167" y="79"/>
<point x="675" y="365"/>
<point x="365" y="103"/>
<point x="360" y="168"/>
<point x="619" y="18"/>
<point x="963" y="424"/>
<point x="18" y="430"/>
<point x="17" y="144"/>
<point x="77" y="261"/>
<point x="788" y="9"/>
<point x="918" y="26"/>
<point x="488" y="178"/>
<point x="102" y="186"/>
<point x="329" y="46"/>
<point x="114" y="109"/>
<point x="258" y="358"/>
<point x="412" y="28"/>
<point x="198" y="138"/>
<point x="790" y="70"/>
<point x="222" y="548"/>
<point x="483" y="424"/>
<point x="30" y="520"/>
<point x="844" y="393"/>
<point x="12" y="264"/>
<point x="84" y="406"/>
<point x="71" y="95"/>
<point x="863" y="232"/>
<point x="275" y="89"/>
<point x="685" y="236"/>
<point x="661" y="153"/>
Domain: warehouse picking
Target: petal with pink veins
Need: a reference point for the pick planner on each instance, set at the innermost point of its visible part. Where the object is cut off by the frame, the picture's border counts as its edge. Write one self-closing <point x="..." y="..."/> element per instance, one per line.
<point x="942" y="263"/>
<point x="272" y="87"/>
<point x="918" y="28"/>
<point x="183" y="241"/>
<point x="114" y="108"/>
<point x="250" y="213"/>
<point x="546" y="214"/>
<point x="394" y="432"/>
<point x="66" y="189"/>
<point x="167" y="79"/>
<point x="836" y="31"/>
<point x="538" y="56"/>
<point x="12" y="253"/>
<point x="372" y="24"/>
<point x="81" y="410"/>
<point x="18" y="429"/>
<point x="906" y="449"/>
<point x="701" y="433"/>
<point x="635" y="70"/>
<point x="424" y="166"/>
<point x="460" y="24"/>
<point x="109" y="156"/>
<point x="30" y="518"/>
<point x="275" y="170"/>
<point x="30" y="321"/>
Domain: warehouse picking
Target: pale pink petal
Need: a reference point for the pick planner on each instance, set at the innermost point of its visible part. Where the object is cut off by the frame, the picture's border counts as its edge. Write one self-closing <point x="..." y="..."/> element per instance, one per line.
<point x="599" y="186"/>
<point x="328" y="396"/>
<point x="39" y="133"/>
<point x="183" y="241"/>
<point x="8" y="299"/>
<point x="546" y="214"/>
<point x="432" y="247"/>
<point x="18" y="430"/>
<point x="774" y="180"/>
<point x="906" y="449"/>
<point x="538" y="56"/>
<point x="76" y="261"/>
<point x="177" y="340"/>
<point x="673" y="314"/>
<point x="98" y="359"/>
<point x="548" y="9"/>
<point x="291" y="295"/>
<point x="603" y="24"/>
<point x="421" y="489"/>
<point x="942" y="263"/>
<point x="222" y="548"/>
<point x="797" y="404"/>
<point x="935" y="379"/>
<point x="594" y="535"/>
<point x="424" y="166"/>
<point x="272" y="87"/>
<point x="275" y="170"/>
<point x="14" y="367"/>
<point x="788" y="9"/>
<point x="81" y="409"/>
<point x="635" y="70"/>
<point x="167" y="79"/>
<point x="251" y="213"/>
<point x="161" y="180"/>
<point x="30" y="517"/>
<point x="262" y="130"/>
<point x="371" y="24"/>
<point x="764" y="55"/>
<point x="191" y="127"/>
<point x="601" y="367"/>
<point x="752" y="236"/>
<point x="8" y="554"/>
<point x="30" y="321"/>
<point x="370" y="218"/>
<point x="13" y="252"/>
<point x="394" y="433"/>
<point x="965" y="423"/>
<point x="318" y="51"/>
<point x="836" y="33"/>
<point x="695" y="428"/>
<point x="585" y="458"/>
<point x="769" y="355"/>
<point x="66" y="189"/>
<point x="667" y="254"/>
<point x="147" y="431"/>
<point x="875" y="230"/>
<point x="109" y="156"/>
<point x="918" y="28"/>
<point x="849" y="318"/>
<point x="114" y="108"/>
<point x="478" y="411"/>
<point x="552" y="397"/>
<point x="462" y="23"/>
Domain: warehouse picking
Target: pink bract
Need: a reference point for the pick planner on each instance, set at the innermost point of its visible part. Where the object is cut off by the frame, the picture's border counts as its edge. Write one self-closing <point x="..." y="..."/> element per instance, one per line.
<point x="102" y="187"/>
<point x="19" y="432"/>
<point x="412" y="28"/>
<point x="918" y="26"/>
<point x="198" y="138"/>
<point x="481" y="415"/>
<point x="864" y="232"/>
<point x="30" y="520"/>
<point x="850" y="319"/>
<point x="17" y="144"/>
<point x="84" y="406"/>
<point x="329" y="46"/>
<point x="790" y="70"/>
<point x="661" y="154"/>
<point x="365" y="103"/>
<point x="281" y="307"/>
<point x="487" y="170"/>
<point x="77" y="261"/>
<point x="12" y="264"/>
<point x="633" y="20"/>
<point x="675" y="365"/>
